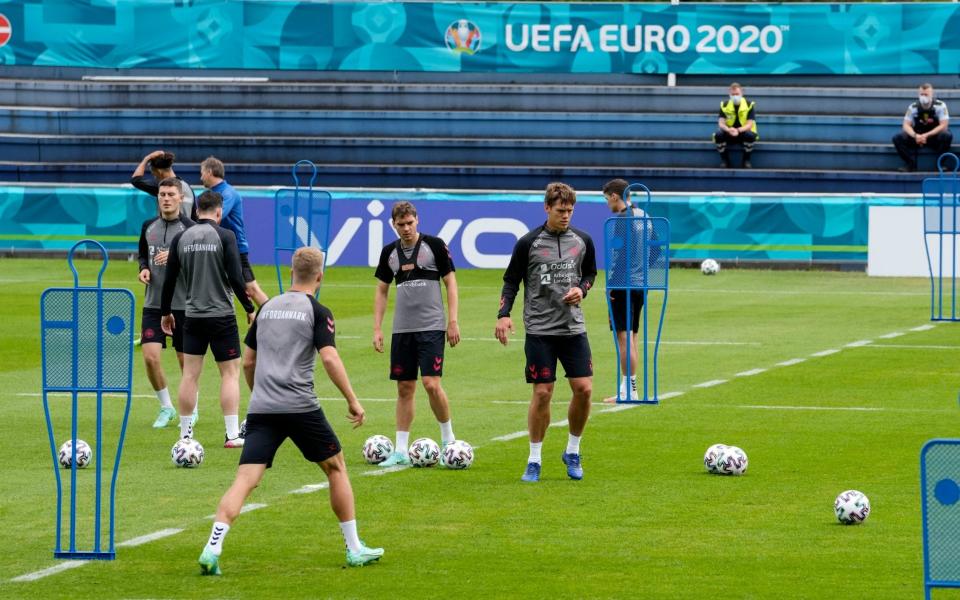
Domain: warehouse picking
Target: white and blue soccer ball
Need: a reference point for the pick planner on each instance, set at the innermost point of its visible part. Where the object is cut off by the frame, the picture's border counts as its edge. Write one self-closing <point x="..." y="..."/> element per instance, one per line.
<point x="187" y="453"/>
<point x="709" y="267"/>
<point x="457" y="455"/>
<point x="65" y="455"/>
<point x="377" y="449"/>
<point x="711" y="455"/>
<point x="731" y="461"/>
<point x="852" y="507"/>
<point x="424" y="452"/>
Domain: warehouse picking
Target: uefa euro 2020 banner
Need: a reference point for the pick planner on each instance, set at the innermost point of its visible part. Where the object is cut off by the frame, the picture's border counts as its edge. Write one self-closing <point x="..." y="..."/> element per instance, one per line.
<point x="690" y="38"/>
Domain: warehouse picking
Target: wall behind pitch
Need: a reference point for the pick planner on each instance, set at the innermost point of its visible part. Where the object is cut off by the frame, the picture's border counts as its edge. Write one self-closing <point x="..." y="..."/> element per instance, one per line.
<point x="480" y="228"/>
<point x="690" y="38"/>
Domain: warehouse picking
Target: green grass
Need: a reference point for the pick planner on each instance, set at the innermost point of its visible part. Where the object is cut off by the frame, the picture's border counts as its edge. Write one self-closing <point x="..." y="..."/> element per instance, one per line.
<point x="646" y="522"/>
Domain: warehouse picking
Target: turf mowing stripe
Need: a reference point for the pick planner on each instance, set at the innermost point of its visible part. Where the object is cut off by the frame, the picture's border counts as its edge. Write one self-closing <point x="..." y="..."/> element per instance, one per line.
<point x="750" y="373"/>
<point x="791" y="362"/>
<point x="711" y="383"/>
<point x="50" y="570"/>
<point x="825" y="352"/>
<point x="145" y="539"/>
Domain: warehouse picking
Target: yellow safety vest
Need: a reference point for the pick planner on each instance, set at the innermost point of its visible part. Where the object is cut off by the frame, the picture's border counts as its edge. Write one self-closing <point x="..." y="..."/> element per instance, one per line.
<point x="730" y="112"/>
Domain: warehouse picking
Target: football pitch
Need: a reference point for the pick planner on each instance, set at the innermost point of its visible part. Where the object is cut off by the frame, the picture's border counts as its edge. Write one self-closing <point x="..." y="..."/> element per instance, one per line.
<point x="829" y="381"/>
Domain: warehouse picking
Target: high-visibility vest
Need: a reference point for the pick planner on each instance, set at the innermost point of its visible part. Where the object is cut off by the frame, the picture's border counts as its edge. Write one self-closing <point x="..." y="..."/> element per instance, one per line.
<point x="730" y="112"/>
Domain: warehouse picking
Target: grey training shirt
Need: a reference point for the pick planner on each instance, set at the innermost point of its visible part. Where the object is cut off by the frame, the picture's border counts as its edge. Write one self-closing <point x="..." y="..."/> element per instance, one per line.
<point x="156" y="235"/>
<point x="417" y="271"/>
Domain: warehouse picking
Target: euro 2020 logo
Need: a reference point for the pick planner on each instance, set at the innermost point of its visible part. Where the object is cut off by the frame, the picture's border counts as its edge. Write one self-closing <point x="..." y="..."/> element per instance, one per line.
<point x="462" y="36"/>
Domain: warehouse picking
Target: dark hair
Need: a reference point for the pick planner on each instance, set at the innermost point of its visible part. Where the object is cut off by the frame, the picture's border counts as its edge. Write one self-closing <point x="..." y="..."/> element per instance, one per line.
<point x="162" y="162"/>
<point x="209" y="201"/>
<point x="214" y="165"/>
<point x="173" y="182"/>
<point x="615" y="186"/>
<point x="402" y="209"/>
<point x="559" y="192"/>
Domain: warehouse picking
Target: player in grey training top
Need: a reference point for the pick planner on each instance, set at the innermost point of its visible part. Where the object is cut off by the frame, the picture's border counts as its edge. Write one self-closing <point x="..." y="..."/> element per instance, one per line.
<point x="210" y="261"/>
<point x="282" y="348"/>
<point x="161" y="166"/>
<point x="155" y="238"/>
<point x="417" y="263"/>
<point x="557" y="266"/>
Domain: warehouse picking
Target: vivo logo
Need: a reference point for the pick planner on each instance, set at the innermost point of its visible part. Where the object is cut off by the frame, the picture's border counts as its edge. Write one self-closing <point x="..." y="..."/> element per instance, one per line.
<point x="459" y="234"/>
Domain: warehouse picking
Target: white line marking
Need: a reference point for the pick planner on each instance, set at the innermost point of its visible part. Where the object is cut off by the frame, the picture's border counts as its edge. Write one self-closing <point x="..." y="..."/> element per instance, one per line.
<point x="562" y="423"/>
<point x="618" y="408"/>
<point x="858" y="344"/>
<point x="520" y="339"/>
<point x="915" y="346"/>
<point x="385" y="470"/>
<point x="362" y="400"/>
<point x="771" y="407"/>
<point x="107" y="395"/>
<point x="310" y="488"/>
<point x="50" y="570"/>
<point x="710" y="383"/>
<point x="527" y="402"/>
<point x="509" y="436"/>
<point x="825" y="352"/>
<point x="926" y="327"/>
<point x="144" y="539"/>
<point x="669" y="395"/>
<point x="751" y="372"/>
<point x="246" y="508"/>
<point x="791" y="362"/>
<point x="890" y="336"/>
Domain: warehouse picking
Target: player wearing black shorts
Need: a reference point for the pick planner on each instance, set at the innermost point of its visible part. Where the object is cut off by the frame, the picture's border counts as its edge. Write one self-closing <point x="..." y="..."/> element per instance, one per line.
<point x="418" y="263"/>
<point x="281" y="355"/>
<point x="557" y="266"/>
<point x="208" y="257"/>
<point x="613" y="192"/>
<point x="156" y="235"/>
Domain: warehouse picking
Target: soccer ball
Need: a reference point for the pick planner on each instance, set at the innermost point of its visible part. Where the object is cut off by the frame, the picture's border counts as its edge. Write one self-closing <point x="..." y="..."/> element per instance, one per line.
<point x="377" y="449"/>
<point x="424" y="452"/>
<point x="852" y="507"/>
<point x="243" y="428"/>
<point x="187" y="453"/>
<point x="710" y="457"/>
<point x="731" y="461"/>
<point x="457" y="455"/>
<point x="709" y="267"/>
<point x="84" y="454"/>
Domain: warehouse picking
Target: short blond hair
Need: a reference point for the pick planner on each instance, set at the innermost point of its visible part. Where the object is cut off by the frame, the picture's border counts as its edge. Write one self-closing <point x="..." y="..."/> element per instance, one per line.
<point x="307" y="264"/>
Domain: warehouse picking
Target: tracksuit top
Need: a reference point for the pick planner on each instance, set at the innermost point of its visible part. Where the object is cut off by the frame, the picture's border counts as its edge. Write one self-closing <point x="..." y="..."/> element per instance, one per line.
<point x="156" y="235"/>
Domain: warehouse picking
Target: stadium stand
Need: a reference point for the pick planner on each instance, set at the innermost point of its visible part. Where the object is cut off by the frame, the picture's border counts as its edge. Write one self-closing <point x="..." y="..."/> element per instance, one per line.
<point x="426" y="132"/>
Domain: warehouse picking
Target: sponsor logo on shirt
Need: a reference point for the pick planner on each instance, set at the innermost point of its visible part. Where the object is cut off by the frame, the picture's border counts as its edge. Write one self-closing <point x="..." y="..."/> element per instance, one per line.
<point x="200" y="247"/>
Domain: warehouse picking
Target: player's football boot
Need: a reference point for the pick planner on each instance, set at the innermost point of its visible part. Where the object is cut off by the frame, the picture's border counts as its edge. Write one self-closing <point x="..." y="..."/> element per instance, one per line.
<point x="236" y="442"/>
<point x="209" y="563"/>
<point x="163" y="419"/>
<point x="364" y="556"/>
<point x="396" y="459"/>
<point x="574" y="470"/>
<point x="532" y="474"/>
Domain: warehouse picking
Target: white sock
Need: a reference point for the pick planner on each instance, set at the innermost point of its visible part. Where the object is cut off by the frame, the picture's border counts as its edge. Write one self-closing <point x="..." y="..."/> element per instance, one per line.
<point x="233" y="426"/>
<point x="446" y="432"/>
<point x="186" y="429"/>
<point x="535" y="449"/>
<point x="403" y="440"/>
<point x="349" y="529"/>
<point x="215" y="543"/>
<point x="164" y="397"/>
<point x="623" y="383"/>
<point x="573" y="444"/>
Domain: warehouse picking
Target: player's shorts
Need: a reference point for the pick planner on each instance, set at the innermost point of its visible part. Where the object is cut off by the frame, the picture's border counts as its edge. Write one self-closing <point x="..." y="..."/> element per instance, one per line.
<point x="310" y="431"/>
<point x="618" y="305"/>
<point x="423" y="349"/>
<point x="246" y="269"/>
<point x="220" y="333"/>
<point x="151" y="333"/>
<point x="544" y="350"/>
